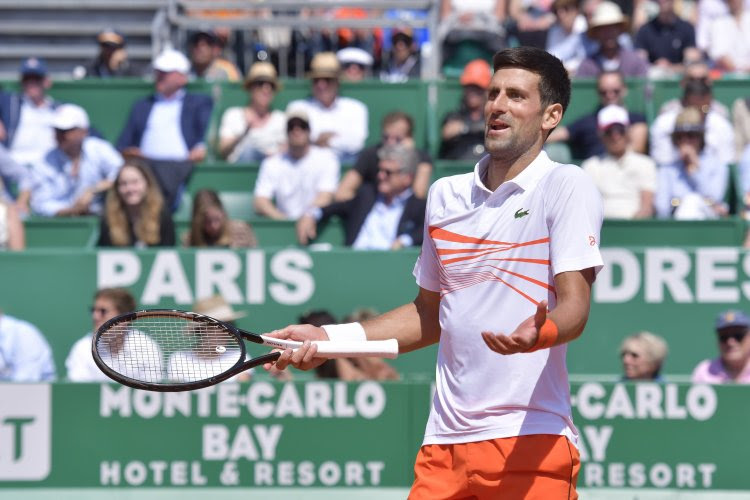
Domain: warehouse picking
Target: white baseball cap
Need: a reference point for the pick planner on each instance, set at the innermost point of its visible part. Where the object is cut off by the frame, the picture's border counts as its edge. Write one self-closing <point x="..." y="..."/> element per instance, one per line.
<point x="354" y="55"/>
<point x="612" y="115"/>
<point x="70" y="116"/>
<point x="172" y="60"/>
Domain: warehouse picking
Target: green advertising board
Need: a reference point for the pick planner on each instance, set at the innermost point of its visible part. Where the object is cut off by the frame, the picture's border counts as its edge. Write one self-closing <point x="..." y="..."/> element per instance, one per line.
<point x="333" y="436"/>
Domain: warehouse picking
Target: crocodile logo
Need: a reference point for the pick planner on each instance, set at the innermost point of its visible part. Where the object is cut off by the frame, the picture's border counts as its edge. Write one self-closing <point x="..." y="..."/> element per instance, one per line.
<point x="521" y="213"/>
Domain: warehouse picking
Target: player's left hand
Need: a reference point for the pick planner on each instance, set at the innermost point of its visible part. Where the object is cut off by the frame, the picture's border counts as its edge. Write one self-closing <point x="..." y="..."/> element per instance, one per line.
<point x="523" y="338"/>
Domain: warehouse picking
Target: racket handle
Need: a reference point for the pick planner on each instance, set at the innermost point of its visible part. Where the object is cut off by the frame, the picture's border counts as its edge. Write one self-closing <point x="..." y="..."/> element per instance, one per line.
<point x="357" y="348"/>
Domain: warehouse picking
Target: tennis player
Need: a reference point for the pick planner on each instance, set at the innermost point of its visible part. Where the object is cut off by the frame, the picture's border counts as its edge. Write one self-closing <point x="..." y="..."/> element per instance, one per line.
<point x="505" y="273"/>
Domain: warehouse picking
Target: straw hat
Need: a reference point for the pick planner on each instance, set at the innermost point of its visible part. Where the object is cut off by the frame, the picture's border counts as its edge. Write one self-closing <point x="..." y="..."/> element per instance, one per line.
<point x="607" y="14"/>
<point x="325" y="65"/>
<point x="262" y="72"/>
<point x="218" y="308"/>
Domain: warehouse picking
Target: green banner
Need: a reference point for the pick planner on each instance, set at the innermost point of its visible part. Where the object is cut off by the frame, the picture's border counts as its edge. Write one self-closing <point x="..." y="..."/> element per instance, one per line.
<point x="266" y="434"/>
<point x="674" y="292"/>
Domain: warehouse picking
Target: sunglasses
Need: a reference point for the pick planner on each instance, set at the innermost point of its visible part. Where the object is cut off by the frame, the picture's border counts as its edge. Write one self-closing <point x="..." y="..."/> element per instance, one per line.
<point x="617" y="128"/>
<point x="98" y="310"/>
<point x="738" y="337"/>
<point x="632" y="354"/>
<point x="387" y="173"/>
<point x="615" y="92"/>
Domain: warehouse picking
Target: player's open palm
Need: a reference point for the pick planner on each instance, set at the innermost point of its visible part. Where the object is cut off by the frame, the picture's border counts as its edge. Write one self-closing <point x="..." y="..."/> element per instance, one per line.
<point x="523" y="338"/>
<point x="302" y="358"/>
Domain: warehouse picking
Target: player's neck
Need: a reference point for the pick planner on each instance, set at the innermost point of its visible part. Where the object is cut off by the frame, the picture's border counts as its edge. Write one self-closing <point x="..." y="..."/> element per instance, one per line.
<point x="502" y="169"/>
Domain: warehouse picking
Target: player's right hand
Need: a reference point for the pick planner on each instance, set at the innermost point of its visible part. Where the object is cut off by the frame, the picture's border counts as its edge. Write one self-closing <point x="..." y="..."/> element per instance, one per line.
<point x="302" y="358"/>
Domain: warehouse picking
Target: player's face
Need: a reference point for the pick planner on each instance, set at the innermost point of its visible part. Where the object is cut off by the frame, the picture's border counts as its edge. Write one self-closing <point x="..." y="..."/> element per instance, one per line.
<point x="513" y="113"/>
<point x="131" y="185"/>
<point x="102" y="310"/>
<point x="636" y="364"/>
<point x="734" y="345"/>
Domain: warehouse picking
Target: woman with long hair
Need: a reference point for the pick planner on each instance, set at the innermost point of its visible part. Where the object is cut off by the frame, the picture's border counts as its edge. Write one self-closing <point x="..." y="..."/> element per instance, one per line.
<point x="135" y="213"/>
<point x="211" y="226"/>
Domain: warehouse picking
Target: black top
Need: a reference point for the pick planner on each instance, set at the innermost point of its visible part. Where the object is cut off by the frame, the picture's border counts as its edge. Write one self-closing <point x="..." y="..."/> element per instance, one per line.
<point x="665" y="41"/>
<point x="468" y="145"/>
<point x="166" y="232"/>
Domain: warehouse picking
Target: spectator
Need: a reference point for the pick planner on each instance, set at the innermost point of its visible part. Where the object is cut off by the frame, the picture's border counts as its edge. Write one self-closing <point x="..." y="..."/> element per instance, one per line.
<point x="606" y="25"/>
<point x="463" y="130"/>
<point x="397" y="128"/>
<point x="27" y="116"/>
<point x="15" y="181"/>
<point x="744" y="171"/>
<point x="708" y="11"/>
<point x="385" y="217"/>
<point x="719" y="136"/>
<point x="403" y="62"/>
<point x="206" y="60"/>
<point x="204" y="360"/>
<point x="626" y="179"/>
<point x="210" y="226"/>
<point x="530" y="21"/>
<point x="695" y="70"/>
<point x="254" y="132"/>
<point x="108" y="303"/>
<point x="564" y="38"/>
<point x="480" y="23"/>
<point x="356" y="64"/>
<point x="336" y="122"/>
<point x="12" y="233"/>
<point x="72" y="178"/>
<point x="304" y="176"/>
<point x="112" y="60"/>
<point x="134" y="212"/>
<point x="693" y="186"/>
<point x="667" y="41"/>
<point x="581" y="135"/>
<point x="733" y="363"/>
<point x="168" y="127"/>
<point x="643" y="355"/>
<point x="729" y="39"/>
<point x="25" y="355"/>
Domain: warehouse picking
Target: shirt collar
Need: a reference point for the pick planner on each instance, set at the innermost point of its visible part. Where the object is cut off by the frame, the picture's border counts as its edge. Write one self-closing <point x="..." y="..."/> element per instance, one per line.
<point x="178" y="96"/>
<point x="526" y="180"/>
<point x="398" y="199"/>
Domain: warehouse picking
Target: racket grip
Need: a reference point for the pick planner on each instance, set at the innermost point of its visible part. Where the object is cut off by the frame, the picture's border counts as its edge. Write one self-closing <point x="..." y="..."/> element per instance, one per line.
<point x="357" y="349"/>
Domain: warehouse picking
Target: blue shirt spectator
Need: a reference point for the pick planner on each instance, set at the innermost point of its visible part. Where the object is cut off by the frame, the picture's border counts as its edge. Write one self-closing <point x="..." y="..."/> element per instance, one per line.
<point x="708" y="182"/>
<point x="25" y="355"/>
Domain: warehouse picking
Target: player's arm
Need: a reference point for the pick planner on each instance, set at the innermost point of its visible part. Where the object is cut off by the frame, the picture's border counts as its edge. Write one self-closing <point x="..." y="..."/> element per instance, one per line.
<point x="546" y="329"/>
<point x="414" y="325"/>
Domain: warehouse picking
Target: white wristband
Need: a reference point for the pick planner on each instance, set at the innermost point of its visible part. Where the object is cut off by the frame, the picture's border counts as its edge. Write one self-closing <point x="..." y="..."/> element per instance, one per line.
<point x="346" y="331"/>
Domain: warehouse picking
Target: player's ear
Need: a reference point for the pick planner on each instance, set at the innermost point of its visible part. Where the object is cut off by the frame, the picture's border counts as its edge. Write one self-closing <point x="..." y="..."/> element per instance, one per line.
<point x="552" y="116"/>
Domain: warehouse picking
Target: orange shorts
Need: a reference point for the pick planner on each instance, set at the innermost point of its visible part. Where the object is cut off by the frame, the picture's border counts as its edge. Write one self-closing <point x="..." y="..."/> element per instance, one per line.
<point x="537" y="466"/>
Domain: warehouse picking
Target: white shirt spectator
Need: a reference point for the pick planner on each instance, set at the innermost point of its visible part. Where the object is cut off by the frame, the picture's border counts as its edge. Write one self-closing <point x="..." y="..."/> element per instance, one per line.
<point x="162" y="138"/>
<point x="34" y="135"/>
<point x="347" y="118"/>
<point x="80" y="364"/>
<point x="728" y="38"/>
<point x="266" y="140"/>
<point x="25" y="355"/>
<point x="294" y="184"/>
<point x="621" y="181"/>
<point x="719" y="138"/>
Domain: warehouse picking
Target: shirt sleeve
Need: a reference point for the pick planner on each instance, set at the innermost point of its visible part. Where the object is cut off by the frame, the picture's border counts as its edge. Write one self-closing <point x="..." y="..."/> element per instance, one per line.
<point x="647" y="175"/>
<point x="111" y="161"/>
<point x="356" y="118"/>
<point x="574" y="218"/>
<point x="44" y="198"/>
<point x="663" y="195"/>
<point x="232" y="125"/>
<point x="31" y="358"/>
<point x="328" y="181"/>
<point x="427" y="268"/>
<point x="265" y="183"/>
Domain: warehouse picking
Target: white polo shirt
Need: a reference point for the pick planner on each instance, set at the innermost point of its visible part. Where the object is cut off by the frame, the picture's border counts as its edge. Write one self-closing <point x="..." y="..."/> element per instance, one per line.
<point x="492" y="256"/>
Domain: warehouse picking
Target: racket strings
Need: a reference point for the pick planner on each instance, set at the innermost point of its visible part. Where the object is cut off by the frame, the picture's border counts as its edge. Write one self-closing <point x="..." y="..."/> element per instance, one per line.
<point x="167" y="349"/>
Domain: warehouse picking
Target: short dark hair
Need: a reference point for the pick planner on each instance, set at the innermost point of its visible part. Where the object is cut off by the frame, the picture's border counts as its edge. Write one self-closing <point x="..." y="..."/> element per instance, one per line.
<point x="554" y="82"/>
<point x="397" y="116"/>
<point x="696" y="87"/>
<point x="121" y="298"/>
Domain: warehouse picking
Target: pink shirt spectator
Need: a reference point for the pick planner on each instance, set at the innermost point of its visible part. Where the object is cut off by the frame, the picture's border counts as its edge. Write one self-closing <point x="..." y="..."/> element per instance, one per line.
<point x="712" y="371"/>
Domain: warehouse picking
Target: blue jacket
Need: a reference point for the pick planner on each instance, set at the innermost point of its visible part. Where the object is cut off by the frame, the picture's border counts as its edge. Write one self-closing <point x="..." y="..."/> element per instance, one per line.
<point x="196" y="114"/>
<point x="10" y="113"/>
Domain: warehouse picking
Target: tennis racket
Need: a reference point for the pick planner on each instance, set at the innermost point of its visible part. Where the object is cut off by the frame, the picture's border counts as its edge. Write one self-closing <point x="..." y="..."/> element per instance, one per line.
<point x="168" y="350"/>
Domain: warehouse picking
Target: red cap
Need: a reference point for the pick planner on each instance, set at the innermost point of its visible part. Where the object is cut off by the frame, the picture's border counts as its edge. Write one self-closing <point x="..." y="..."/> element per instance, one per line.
<point x="477" y="72"/>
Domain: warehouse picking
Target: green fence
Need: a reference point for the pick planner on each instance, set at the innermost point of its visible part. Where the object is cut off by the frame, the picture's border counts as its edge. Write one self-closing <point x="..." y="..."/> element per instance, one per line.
<point x="315" y="439"/>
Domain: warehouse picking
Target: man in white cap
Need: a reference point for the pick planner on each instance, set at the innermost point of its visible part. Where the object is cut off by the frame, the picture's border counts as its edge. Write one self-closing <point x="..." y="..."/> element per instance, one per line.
<point x="355" y="63"/>
<point x="171" y="123"/>
<point x="625" y="179"/>
<point x="339" y="123"/>
<point x="72" y="177"/>
<point x="607" y="23"/>
<point x="304" y="176"/>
